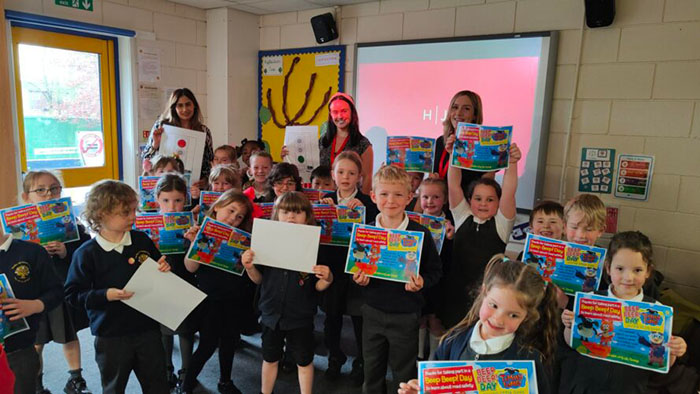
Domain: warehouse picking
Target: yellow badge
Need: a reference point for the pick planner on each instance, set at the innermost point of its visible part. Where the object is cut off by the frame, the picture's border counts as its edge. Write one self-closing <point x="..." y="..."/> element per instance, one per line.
<point x="22" y="272"/>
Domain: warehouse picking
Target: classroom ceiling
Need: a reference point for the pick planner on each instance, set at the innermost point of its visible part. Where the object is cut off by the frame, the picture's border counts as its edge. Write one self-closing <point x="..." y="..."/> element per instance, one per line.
<point x="262" y="7"/>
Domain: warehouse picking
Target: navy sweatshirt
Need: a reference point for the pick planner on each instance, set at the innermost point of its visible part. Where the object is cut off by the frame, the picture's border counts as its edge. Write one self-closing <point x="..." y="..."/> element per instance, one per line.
<point x="32" y="276"/>
<point x="94" y="270"/>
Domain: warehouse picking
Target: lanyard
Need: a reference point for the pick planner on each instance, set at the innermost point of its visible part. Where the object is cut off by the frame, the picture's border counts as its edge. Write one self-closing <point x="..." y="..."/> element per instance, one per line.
<point x="444" y="164"/>
<point x="334" y="153"/>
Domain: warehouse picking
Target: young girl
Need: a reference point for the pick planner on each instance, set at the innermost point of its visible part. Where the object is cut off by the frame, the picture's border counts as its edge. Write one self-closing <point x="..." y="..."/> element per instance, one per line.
<point x="171" y="194"/>
<point x="125" y="339"/>
<point x="247" y="148"/>
<point x="343" y="296"/>
<point x="221" y="179"/>
<point x="219" y="319"/>
<point x="514" y="317"/>
<point x="283" y="178"/>
<point x="629" y="263"/>
<point x="60" y="324"/>
<point x="260" y="167"/>
<point x="483" y="221"/>
<point x="432" y="196"/>
<point x="288" y="301"/>
<point x="163" y="164"/>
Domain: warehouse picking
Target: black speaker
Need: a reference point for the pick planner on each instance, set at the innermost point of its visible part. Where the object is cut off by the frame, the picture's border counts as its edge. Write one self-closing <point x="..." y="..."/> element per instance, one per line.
<point x="600" y="13"/>
<point x="324" y="28"/>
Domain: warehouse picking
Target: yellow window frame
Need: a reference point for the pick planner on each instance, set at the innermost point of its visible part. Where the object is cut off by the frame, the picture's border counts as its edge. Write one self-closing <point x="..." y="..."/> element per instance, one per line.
<point x="74" y="177"/>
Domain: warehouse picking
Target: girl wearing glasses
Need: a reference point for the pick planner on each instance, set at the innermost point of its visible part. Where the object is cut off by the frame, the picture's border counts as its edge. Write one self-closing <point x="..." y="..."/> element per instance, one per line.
<point x="61" y="324"/>
<point x="283" y="178"/>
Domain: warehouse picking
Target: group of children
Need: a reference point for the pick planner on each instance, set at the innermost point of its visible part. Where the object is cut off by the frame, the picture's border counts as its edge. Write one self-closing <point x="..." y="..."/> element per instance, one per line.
<point x="469" y="301"/>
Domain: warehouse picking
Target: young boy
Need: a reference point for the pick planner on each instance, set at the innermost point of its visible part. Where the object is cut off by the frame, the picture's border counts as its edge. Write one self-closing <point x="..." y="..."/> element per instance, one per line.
<point x="416" y="179"/>
<point x="584" y="216"/>
<point x="225" y="154"/>
<point x="392" y="309"/>
<point x="321" y="178"/>
<point x="125" y="339"/>
<point x="30" y="273"/>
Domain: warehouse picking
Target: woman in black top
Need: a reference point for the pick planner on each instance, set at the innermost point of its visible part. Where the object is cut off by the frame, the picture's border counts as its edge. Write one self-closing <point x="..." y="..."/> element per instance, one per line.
<point x="182" y="111"/>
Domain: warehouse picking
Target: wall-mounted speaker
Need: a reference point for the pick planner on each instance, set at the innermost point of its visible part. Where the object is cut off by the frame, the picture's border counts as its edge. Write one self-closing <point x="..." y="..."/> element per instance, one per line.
<point x="600" y="13"/>
<point x="324" y="28"/>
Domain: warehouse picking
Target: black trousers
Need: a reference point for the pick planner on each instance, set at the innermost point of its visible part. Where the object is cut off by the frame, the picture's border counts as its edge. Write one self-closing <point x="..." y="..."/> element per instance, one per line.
<point x="388" y="339"/>
<point x="142" y="353"/>
<point x="24" y="363"/>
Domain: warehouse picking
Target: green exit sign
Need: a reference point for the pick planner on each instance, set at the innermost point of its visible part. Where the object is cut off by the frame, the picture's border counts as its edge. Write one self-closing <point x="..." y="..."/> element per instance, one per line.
<point x="78" y="4"/>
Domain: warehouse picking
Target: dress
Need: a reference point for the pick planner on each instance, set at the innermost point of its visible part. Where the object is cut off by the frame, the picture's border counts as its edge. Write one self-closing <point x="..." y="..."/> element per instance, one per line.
<point x="149" y="151"/>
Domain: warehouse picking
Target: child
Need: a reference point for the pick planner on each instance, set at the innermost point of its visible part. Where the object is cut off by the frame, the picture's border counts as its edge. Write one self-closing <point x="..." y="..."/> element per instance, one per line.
<point x="125" y="339"/>
<point x="283" y="178"/>
<point x="171" y="194"/>
<point x="162" y="165"/>
<point x="260" y="167"/>
<point x="629" y="263"/>
<point x="547" y="220"/>
<point x="221" y="179"/>
<point x="288" y="301"/>
<point x="321" y="178"/>
<point x="416" y="179"/>
<point x="514" y="317"/>
<point x="584" y="216"/>
<point x="247" y="148"/>
<point x="60" y="324"/>
<point x="343" y="296"/>
<point x="37" y="288"/>
<point x="225" y="154"/>
<point x="219" y="323"/>
<point x="483" y="221"/>
<point x="390" y="314"/>
<point x="432" y="196"/>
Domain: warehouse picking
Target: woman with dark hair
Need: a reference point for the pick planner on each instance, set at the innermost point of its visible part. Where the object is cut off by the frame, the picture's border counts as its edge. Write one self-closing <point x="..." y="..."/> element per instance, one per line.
<point x="465" y="106"/>
<point x="343" y="134"/>
<point x="182" y="111"/>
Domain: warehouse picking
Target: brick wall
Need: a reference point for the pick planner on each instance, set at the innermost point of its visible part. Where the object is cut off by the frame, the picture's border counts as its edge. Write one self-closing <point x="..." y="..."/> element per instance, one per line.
<point x="638" y="92"/>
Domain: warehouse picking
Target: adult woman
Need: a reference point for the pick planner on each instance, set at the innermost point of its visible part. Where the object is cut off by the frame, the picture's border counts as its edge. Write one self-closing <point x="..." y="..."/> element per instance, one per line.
<point x="343" y="134"/>
<point x="182" y="111"/>
<point x="465" y="106"/>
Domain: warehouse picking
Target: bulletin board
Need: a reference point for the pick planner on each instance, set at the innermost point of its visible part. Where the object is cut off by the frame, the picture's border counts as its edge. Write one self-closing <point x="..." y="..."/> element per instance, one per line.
<point x="294" y="88"/>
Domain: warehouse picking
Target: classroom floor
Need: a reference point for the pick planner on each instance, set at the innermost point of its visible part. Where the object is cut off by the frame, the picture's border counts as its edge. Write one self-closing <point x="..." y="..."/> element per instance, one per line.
<point x="246" y="367"/>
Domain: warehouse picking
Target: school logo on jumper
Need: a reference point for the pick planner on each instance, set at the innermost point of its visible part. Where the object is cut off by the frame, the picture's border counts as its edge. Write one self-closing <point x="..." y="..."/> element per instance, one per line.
<point x="22" y="272"/>
<point x="142" y="255"/>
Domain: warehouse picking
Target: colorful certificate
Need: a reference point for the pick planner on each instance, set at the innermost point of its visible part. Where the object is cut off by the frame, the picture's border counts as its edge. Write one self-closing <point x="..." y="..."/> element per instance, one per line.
<point x="481" y="148"/>
<point x="633" y="333"/>
<point x="219" y="245"/>
<point x="166" y="230"/>
<point x="7" y="327"/>
<point x="596" y="171"/>
<point x="414" y="154"/>
<point x="435" y="224"/>
<point x="147" y="197"/>
<point x="634" y="176"/>
<point x="206" y="200"/>
<point x="266" y="208"/>
<point x="384" y="253"/>
<point x="314" y="195"/>
<point x="572" y="267"/>
<point x="448" y="377"/>
<point x="42" y="223"/>
<point x="336" y="222"/>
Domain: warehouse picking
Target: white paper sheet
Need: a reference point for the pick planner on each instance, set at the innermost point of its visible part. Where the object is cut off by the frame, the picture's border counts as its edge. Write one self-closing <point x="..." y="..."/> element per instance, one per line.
<point x="285" y="245"/>
<point x="162" y="296"/>
<point x="302" y="143"/>
<point x="186" y="144"/>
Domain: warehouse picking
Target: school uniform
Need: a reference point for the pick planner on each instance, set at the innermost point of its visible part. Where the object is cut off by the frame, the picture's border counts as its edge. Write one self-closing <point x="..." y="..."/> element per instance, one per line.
<point x="390" y="319"/>
<point x="125" y="340"/>
<point x="61" y="324"/>
<point x="475" y="242"/>
<point x="343" y="296"/>
<point x="433" y="296"/>
<point x="31" y="275"/>
<point x="288" y="301"/>
<point x="219" y="321"/>
<point x="586" y="375"/>
<point x="467" y="344"/>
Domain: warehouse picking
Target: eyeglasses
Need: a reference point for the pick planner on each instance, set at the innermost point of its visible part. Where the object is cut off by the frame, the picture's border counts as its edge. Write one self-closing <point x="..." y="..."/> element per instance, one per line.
<point x="42" y="191"/>
<point x="284" y="183"/>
